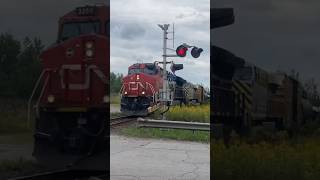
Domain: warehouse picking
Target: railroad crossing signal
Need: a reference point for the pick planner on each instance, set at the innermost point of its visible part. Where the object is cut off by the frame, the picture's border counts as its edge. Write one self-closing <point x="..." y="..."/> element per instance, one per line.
<point x="181" y="51"/>
<point x="195" y="52"/>
<point x="176" y="67"/>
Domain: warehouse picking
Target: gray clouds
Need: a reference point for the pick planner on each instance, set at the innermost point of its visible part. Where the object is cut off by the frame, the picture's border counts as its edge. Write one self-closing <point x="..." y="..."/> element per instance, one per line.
<point x="276" y="35"/>
<point x="131" y="31"/>
<point x="135" y="36"/>
<point x="36" y="18"/>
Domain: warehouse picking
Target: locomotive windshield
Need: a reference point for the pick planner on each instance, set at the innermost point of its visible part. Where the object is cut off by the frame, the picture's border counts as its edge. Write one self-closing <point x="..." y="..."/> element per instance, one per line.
<point x="146" y="70"/>
<point x="74" y="29"/>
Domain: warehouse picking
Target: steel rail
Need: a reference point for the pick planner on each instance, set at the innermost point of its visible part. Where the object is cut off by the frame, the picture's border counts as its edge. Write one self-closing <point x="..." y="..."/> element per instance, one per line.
<point x="114" y="121"/>
<point x="150" y="123"/>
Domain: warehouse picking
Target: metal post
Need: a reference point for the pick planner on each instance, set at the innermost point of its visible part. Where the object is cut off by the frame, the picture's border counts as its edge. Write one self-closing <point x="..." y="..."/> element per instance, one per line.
<point x="164" y="27"/>
<point x="165" y="38"/>
<point x="165" y="63"/>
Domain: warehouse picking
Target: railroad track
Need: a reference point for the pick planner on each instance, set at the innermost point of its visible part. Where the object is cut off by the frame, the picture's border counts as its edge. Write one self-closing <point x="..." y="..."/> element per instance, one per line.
<point x="66" y="174"/>
<point x="116" y="121"/>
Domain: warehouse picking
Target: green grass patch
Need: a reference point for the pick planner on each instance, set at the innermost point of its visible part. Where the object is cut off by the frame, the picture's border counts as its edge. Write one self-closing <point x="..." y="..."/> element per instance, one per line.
<point x="13" y="116"/>
<point x="19" y="167"/>
<point x="175" y="134"/>
<point x="114" y="99"/>
<point x="115" y="114"/>
<point x="21" y="138"/>
<point x="15" y="165"/>
<point x="189" y="113"/>
<point x="297" y="159"/>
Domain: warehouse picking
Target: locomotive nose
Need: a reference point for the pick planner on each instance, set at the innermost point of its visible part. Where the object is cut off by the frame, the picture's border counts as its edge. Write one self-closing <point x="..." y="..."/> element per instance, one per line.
<point x="135" y="86"/>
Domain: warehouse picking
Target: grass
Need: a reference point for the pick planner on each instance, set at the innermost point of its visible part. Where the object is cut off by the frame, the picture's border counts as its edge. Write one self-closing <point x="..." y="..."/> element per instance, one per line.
<point x="292" y="159"/>
<point x="19" y="167"/>
<point x="115" y="114"/>
<point x="176" y="113"/>
<point x="185" y="135"/>
<point x="114" y="99"/>
<point x="21" y="138"/>
<point x="13" y="116"/>
<point x="190" y="113"/>
<point x="15" y="165"/>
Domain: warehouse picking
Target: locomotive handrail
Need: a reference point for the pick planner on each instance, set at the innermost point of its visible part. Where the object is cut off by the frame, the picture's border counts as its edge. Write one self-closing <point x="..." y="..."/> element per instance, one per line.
<point x="32" y="95"/>
<point x="152" y="90"/>
<point x="120" y="92"/>
<point x="42" y="90"/>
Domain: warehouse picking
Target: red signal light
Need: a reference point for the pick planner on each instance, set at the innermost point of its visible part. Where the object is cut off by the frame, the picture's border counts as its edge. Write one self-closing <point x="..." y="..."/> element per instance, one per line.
<point x="181" y="51"/>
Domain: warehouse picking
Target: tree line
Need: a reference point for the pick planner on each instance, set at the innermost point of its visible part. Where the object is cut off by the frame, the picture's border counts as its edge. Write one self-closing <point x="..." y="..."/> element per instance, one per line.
<point x="115" y="82"/>
<point x="19" y="65"/>
<point x="20" y="68"/>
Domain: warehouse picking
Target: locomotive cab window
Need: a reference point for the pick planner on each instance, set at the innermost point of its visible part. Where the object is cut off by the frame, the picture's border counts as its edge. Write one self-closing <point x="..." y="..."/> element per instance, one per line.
<point x="150" y="69"/>
<point x="74" y="29"/>
<point x="134" y="71"/>
<point x="146" y="70"/>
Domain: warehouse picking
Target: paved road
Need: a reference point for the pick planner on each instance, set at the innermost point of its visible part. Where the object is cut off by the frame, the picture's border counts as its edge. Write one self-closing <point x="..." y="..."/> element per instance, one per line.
<point x="150" y="159"/>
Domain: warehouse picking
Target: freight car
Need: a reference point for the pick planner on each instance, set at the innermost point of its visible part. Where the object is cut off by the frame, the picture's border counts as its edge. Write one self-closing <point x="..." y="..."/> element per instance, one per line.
<point x="73" y="102"/>
<point x="140" y="91"/>
<point x="245" y="96"/>
<point x="254" y="97"/>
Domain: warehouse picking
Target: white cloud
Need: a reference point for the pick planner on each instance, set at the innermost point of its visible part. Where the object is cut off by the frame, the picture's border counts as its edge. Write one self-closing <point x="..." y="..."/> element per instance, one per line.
<point x="135" y="36"/>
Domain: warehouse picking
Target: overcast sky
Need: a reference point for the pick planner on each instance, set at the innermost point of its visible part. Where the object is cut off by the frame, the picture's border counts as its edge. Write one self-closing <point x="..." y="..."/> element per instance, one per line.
<point x="276" y="35"/>
<point x="135" y="36"/>
<point x="36" y="18"/>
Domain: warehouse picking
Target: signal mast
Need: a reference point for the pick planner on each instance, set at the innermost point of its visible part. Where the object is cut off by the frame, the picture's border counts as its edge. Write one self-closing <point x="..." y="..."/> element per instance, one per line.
<point x="181" y="51"/>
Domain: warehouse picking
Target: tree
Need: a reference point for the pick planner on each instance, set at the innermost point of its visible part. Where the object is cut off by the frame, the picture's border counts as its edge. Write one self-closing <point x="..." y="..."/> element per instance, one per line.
<point x="9" y="52"/>
<point x="19" y="65"/>
<point x="28" y="67"/>
<point x="115" y="82"/>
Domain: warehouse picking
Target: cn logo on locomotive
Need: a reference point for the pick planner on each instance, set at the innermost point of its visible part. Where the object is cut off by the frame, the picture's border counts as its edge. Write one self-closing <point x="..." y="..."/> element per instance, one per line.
<point x="86" y="84"/>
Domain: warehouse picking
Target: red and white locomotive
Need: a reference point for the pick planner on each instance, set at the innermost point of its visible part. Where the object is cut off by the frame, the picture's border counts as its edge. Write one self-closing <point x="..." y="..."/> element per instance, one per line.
<point x="72" y="103"/>
<point x="141" y="89"/>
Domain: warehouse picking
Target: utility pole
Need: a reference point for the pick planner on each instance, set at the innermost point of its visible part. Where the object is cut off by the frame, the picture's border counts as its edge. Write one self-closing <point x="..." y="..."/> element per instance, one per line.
<point x="164" y="28"/>
<point x="165" y="95"/>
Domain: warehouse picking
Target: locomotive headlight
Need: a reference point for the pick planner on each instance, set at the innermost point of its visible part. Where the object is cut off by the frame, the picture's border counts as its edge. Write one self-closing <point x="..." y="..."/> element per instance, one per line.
<point x="125" y="92"/>
<point x="143" y="92"/>
<point x="51" y="98"/>
<point x="106" y="99"/>
<point x="89" y="45"/>
<point x="89" y="49"/>
<point x="138" y="76"/>
<point x="89" y="52"/>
